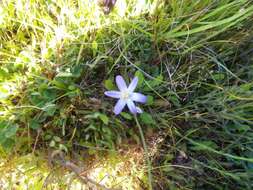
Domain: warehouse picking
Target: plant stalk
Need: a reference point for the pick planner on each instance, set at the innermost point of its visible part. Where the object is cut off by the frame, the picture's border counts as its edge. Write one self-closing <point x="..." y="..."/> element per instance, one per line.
<point x="145" y="153"/>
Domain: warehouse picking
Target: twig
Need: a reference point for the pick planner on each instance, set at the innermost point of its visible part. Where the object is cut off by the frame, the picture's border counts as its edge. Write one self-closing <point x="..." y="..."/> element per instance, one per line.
<point x="36" y="140"/>
<point x="77" y="170"/>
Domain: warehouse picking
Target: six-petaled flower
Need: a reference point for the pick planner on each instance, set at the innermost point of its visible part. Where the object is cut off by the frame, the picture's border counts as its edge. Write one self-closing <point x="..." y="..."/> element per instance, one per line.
<point x="126" y="96"/>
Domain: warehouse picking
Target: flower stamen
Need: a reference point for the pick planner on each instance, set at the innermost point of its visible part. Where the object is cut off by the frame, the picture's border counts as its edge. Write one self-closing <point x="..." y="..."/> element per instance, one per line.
<point x="125" y="95"/>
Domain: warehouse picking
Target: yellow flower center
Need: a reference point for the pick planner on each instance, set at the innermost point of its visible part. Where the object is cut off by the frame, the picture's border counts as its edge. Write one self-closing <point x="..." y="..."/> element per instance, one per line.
<point x="125" y="95"/>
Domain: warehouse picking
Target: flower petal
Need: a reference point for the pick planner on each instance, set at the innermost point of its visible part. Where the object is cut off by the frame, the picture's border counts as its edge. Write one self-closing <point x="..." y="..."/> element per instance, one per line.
<point x="113" y="94"/>
<point x="139" y="110"/>
<point x="131" y="107"/>
<point x="121" y="83"/>
<point x="119" y="106"/>
<point x="133" y="84"/>
<point x="138" y="97"/>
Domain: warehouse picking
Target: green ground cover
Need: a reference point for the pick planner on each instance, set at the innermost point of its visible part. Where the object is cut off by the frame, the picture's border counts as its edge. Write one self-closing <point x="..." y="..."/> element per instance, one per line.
<point x="193" y="59"/>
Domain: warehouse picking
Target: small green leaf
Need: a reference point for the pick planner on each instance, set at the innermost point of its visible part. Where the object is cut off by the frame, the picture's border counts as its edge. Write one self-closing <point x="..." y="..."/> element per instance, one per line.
<point x="52" y="143"/>
<point x="150" y="100"/>
<point x="59" y="84"/>
<point x="50" y="109"/>
<point x="146" y="118"/>
<point x="239" y="127"/>
<point x="3" y="124"/>
<point x="3" y="74"/>
<point x="77" y="71"/>
<point x="140" y="77"/>
<point x="109" y="84"/>
<point x="104" y="118"/>
<point x="8" y="143"/>
<point x="34" y="124"/>
<point x="49" y="94"/>
<point x="156" y="82"/>
<point x="63" y="147"/>
<point x="64" y="75"/>
<point x="57" y="139"/>
<point x="94" y="45"/>
<point x="168" y="169"/>
<point x="243" y="128"/>
<point x="169" y="157"/>
<point x="11" y="131"/>
<point x="175" y="101"/>
<point x="90" y="127"/>
<point x="71" y="87"/>
<point x="218" y="76"/>
<point x="47" y="137"/>
<point x="126" y="115"/>
<point x="246" y="87"/>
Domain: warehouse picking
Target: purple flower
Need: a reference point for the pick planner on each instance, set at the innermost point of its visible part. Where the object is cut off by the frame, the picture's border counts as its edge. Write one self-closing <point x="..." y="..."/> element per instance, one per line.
<point x="126" y="96"/>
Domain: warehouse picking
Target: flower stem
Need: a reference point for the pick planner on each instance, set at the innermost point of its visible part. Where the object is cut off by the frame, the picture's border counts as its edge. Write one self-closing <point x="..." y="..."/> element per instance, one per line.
<point x="145" y="153"/>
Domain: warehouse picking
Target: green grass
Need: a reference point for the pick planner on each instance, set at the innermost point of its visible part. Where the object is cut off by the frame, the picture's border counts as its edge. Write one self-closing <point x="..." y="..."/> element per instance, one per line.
<point x="193" y="60"/>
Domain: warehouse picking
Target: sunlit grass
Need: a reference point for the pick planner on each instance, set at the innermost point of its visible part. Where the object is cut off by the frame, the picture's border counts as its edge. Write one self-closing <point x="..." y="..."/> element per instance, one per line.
<point x="193" y="60"/>
<point x="119" y="171"/>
